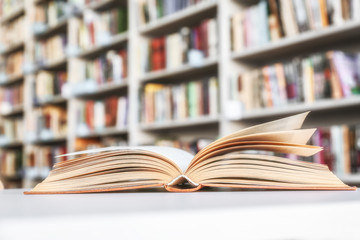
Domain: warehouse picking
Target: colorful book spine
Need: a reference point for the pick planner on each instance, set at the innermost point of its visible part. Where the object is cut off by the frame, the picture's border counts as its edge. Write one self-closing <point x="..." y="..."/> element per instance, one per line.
<point x="108" y="68"/>
<point x="98" y="115"/>
<point x="13" y="64"/>
<point x="11" y="163"/>
<point x="171" y="102"/>
<point x="13" y="33"/>
<point x="50" y="13"/>
<point x="47" y="123"/>
<point x="341" y="151"/>
<point x="99" y="28"/>
<point x="319" y="76"/>
<point x="44" y="156"/>
<point x="92" y="143"/>
<point x="188" y="46"/>
<point x="50" y="50"/>
<point x="11" y="96"/>
<point x="11" y="130"/>
<point x="49" y="85"/>
<point x="269" y="20"/>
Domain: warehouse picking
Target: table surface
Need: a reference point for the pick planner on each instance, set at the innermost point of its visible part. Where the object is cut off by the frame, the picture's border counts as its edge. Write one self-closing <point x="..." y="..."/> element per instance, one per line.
<point x="156" y="215"/>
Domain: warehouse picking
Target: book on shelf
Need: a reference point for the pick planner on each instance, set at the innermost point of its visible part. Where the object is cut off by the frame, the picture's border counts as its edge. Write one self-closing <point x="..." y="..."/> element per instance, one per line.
<point x="48" y="14"/>
<point x="271" y="20"/>
<point x="8" y="7"/>
<point x="11" y="130"/>
<point x="11" y="97"/>
<point x="50" y="50"/>
<point x="13" y="33"/>
<point x="190" y="45"/>
<point x="40" y="159"/>
<point x="105" y="70"/>
<point x="220" y="164"/>
<point x="342" y="151"/>
<point x="329" y="75"/>
<point x="98" y="115"/>
<point x="46" y="123"/>
<point x="48" y="85"/>
<point x="98" y="28"/>
<point x="11" y="163"/>
<point x="94" y="143"/>
<point x="150" y="11"/>
<point x="12" y="65"/>
<point x="171" y="102"/>
<point x="192" y="147"/>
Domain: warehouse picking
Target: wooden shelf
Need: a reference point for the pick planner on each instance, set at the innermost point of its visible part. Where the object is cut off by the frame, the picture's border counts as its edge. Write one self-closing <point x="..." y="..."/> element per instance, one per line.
<point x="55" y="100"/>
<point x="54" y="65"/>
<point x="103" y="133"/>
<point x="183" y="17"/>
<point x="209" y="65"/>
<point x="51" y="141"/>
<point x="53" y="29"/>
<point x="301" y="42"/>
<point x="190" y="122"/>
<point x="14" y="14"/>
<point x="320" y="105"/>
<point x="13" y="48"/>
<point x="102" y="5"/>
<point x="115" y="41"/>
<point x="104" y="89"/>
<point x="15" y="144"/>
<point x="12" y="79"/>
<point x="15" y="110"/>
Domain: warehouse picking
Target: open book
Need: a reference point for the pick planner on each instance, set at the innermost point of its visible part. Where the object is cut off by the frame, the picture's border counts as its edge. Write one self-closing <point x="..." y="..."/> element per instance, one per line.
<point x="223" y="163"/>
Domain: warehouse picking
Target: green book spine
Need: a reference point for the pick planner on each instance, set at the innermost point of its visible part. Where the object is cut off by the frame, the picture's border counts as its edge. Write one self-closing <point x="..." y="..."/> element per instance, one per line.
<point x="122" y="20"/>
<point x="191" y="87"/>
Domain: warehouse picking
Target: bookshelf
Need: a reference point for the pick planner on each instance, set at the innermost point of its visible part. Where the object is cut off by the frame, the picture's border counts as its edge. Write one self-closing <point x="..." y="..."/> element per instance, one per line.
<point x="223" y="65"/>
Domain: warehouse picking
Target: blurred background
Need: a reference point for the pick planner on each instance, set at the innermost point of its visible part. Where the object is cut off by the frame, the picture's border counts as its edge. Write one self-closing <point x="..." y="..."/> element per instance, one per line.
<point x="83" y="74"/>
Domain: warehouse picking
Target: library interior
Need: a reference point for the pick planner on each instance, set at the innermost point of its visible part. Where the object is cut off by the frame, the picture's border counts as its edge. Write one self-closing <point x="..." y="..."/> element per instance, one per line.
<point x="80" y="75"/>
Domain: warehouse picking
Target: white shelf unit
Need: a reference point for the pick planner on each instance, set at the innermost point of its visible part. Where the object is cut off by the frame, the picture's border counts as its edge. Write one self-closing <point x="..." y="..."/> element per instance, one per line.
<point x="223" y="67"/>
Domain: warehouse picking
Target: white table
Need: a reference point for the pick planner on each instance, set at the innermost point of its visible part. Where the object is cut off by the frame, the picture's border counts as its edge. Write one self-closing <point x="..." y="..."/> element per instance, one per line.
<point x="200" y="215"/>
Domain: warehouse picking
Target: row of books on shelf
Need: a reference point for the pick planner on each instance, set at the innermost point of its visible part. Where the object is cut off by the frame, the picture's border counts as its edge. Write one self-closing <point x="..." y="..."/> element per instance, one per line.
<point x="150" y="11"/>
<point x="98" y="28"/>
<point x="13" y="33"/>
<point x="11" y="131"/>
<point x="49" y="13"/>
<point x="109" y="68"/>
<point x="270" y="20"/>
<point x="11" y="163"/>
<point x="12" y="65"/>
<point x="93" y="143"/>
<point x="190" y="45"/>
<point x="166" y="102"/>
<point x="51" y="49"/>
<point x="44" y="156"/>
<point x="98" y="115"/>
<point x="46" y="123"/>
<point x="7" y="7"/>
<point x="341" y="148"/>
<point x="11" y="97"/>
<point x="48" y="85"/>
<point x="333" y="74"/>
<point x="193" y="146"/>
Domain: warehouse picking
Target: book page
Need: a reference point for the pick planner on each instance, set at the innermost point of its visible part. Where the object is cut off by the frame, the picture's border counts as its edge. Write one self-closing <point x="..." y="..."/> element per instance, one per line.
<point x="178" y="156"/>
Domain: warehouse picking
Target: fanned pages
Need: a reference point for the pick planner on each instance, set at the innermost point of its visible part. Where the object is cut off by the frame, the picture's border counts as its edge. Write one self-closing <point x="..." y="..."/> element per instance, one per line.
<point x="223" y="163"/>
